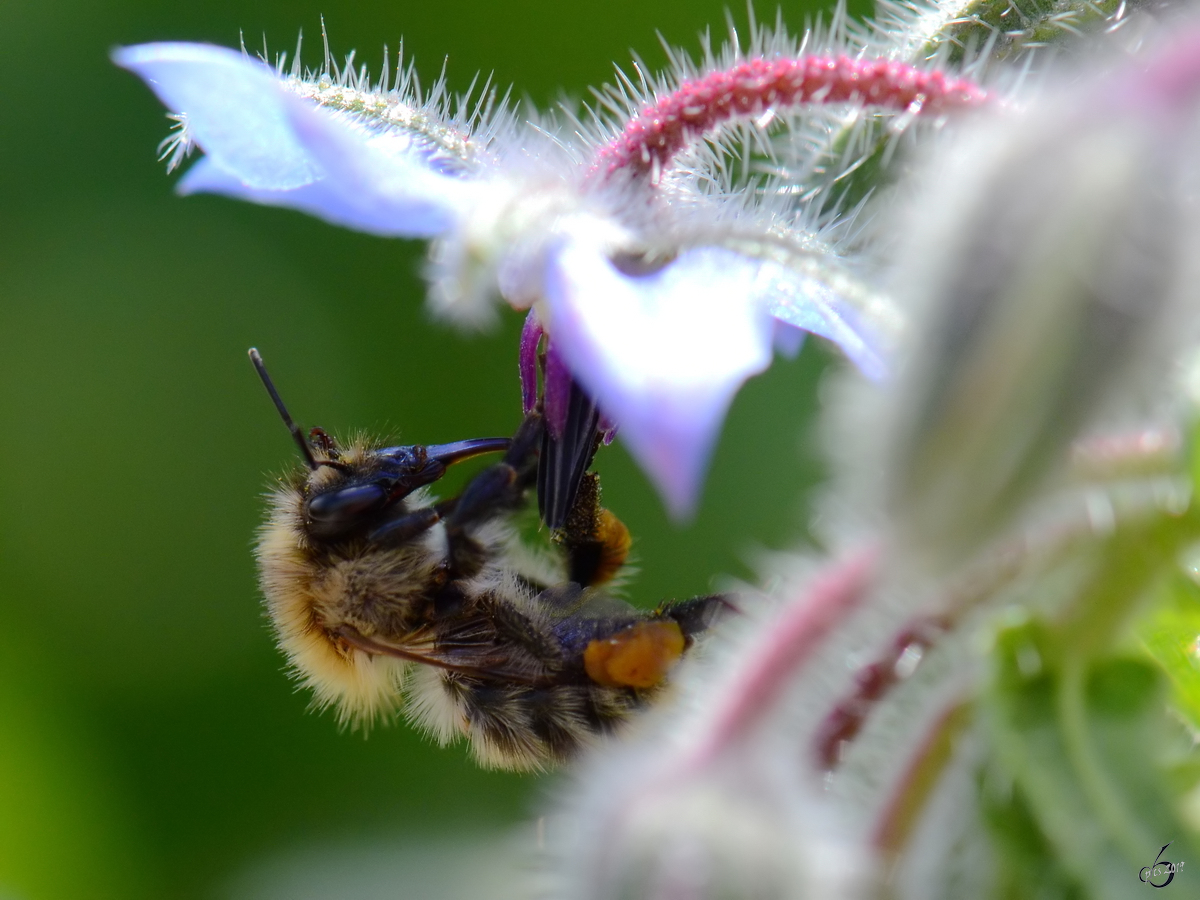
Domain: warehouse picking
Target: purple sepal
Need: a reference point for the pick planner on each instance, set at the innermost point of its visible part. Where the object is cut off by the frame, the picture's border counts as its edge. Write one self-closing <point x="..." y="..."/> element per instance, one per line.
<point x="531" y="336"/>
<point x="557" y="392"/>
<point x="608" y="429"/>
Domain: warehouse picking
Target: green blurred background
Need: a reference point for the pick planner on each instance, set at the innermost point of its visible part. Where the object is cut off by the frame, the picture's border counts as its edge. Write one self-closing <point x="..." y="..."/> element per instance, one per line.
<point x="150" y="745"/>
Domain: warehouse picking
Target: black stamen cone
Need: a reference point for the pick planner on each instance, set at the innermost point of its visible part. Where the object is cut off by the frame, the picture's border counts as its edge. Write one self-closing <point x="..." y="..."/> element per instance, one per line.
<point x="564" y="461"/>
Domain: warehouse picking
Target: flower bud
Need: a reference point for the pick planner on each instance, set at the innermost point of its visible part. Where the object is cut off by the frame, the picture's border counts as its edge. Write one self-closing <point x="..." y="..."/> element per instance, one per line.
<point x="1042" y="265"/>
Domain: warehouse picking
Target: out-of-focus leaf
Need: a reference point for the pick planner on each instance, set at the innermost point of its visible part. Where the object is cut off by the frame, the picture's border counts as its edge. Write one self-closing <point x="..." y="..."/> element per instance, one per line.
<point x="1028" y="867"/>
<point x="1088" y="754"/>
<point x="1171" y="634"/>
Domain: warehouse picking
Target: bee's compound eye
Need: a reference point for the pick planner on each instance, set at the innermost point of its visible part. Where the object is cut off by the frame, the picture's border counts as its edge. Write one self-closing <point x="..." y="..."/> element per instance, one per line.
<point x="342" y="507"/>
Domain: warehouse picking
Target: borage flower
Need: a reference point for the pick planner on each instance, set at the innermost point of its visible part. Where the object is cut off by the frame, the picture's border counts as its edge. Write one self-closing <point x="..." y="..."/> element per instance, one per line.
<point x="660" y="287"/>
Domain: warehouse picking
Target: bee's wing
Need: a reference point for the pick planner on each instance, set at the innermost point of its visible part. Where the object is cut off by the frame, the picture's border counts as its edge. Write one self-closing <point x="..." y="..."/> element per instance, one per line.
<point x="473" y="658"/>
<point x="578" y="616"/>
<point x="564" y="461"/>
<point x="573" y="601"/>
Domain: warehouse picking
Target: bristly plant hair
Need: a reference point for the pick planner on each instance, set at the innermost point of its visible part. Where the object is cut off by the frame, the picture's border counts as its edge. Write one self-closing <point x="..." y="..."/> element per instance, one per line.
<point x="800" y="151"/>
<point x="460" y="131"/>
<point x="782" y="159"/>
<point x="810" y="153"/>
<point x="458" y="128"/>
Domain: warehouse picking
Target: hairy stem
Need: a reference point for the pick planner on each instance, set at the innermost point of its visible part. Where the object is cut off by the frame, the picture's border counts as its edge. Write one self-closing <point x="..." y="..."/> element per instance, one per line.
<point x="835" y="593"/>
<point x="651" y="139"/>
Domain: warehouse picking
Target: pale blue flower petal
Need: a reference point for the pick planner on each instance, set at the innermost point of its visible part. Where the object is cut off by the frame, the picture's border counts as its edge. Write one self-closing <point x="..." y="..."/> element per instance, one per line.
<point x="804" y="302"/>
<point x="235" y="110"/>
<point x="266" y="144"/>
<point x="369" y="212"/>
<point x="663" y="354"/>
<point x="789" y="340"/>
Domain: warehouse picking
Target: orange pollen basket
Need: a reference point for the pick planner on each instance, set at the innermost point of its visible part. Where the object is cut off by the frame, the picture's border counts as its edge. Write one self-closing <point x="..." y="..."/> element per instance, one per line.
<point x="637" y="657"/>
<point x="615" y="542"/>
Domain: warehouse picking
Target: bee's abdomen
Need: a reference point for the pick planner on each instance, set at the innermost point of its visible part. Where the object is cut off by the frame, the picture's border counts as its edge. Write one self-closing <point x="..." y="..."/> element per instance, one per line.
<point x="523" y="727"/>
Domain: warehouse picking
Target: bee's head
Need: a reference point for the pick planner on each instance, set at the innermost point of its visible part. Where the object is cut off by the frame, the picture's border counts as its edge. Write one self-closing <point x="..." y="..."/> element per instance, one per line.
<point x="360" y="490"/>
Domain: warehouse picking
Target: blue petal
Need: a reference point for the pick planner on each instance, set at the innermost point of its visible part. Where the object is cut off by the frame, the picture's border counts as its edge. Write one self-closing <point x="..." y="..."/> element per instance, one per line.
<point x="234" y="106"/>
<point x="663" y="354"/>
<point x="266" y="144"/>
<point x="805" y="302"/>
<point x="361" y="212"/>
<point x="789" y="340"/>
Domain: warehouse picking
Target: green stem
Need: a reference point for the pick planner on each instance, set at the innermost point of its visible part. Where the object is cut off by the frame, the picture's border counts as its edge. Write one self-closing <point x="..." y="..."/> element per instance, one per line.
<point x="1005" y="27"/>
<point x="1134" y="558"/>
<point x="1118" y="819"/>
<point x="1015" y="25"/>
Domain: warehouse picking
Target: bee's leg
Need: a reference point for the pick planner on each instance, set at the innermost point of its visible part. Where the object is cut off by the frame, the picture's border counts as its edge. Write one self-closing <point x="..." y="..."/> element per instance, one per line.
<point x="408" y="527"/>
<point x="497" y="489"/>
<point x="697" y="615"/>
<point x="596" y="541"/>
<point x="640" y="654"/>
<point x="502" y="486"/>
<point x="517" y="629"/>
<point x="637" y="656"/>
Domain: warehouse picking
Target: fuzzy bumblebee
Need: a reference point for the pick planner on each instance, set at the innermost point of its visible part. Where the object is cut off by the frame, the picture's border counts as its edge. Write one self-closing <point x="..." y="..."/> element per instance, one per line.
<point x="385" y="600"/>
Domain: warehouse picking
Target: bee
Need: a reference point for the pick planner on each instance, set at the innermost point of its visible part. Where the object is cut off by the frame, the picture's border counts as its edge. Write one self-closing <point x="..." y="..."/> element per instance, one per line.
<point x="384" y="598"/>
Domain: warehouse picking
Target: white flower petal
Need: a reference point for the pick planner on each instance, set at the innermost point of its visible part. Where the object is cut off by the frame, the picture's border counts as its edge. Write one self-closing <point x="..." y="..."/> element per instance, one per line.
<point x="789" y="340"/>
<point x="805" y="302"/>
<point x="266" y="144"/>
<point x="663" y="354"/>
<point x="323" y="200"/>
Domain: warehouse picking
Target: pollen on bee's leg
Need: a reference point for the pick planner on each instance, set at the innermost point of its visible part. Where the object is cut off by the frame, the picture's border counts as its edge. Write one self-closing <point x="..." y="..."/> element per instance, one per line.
<point x="635" y="657"/>
<point x="597" y="542"/>
<point x="615" y="541"/>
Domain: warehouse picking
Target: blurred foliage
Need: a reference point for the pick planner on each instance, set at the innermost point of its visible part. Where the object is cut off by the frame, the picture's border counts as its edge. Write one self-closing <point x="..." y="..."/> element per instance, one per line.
<point x="150" y="745"/>
<point x="1172" y="636"/>
<point x="1074" y="816"/>
<point x="1092" y="735"/>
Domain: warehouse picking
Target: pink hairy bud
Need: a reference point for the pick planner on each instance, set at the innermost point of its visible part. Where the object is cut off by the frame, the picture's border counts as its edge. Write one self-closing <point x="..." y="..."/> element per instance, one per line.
<point x="751" y="87"/>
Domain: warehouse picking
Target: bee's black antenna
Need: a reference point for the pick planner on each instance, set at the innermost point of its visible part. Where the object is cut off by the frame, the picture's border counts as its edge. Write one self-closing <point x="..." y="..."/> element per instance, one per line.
<point x="301" y="442"/>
